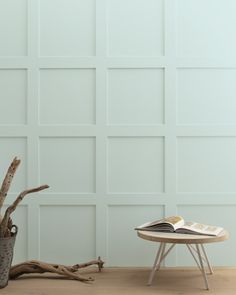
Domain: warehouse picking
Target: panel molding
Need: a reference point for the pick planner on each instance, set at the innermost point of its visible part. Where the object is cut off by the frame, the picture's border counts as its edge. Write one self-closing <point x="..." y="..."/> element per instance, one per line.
<point x="169" y="129"/>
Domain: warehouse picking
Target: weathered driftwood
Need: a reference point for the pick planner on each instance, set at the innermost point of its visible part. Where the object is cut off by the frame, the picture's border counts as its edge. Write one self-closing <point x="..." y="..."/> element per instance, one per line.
<point x="34" y="266"/>
<point x="5" y="187"/>
<point x="4" y="230"/>
<point x="8" y="179"/>
<point x="71" y="272"/>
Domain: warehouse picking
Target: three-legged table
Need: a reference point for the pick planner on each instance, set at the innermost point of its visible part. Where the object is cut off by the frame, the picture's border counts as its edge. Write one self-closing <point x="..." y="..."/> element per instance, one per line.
<point x="194" y="243"/>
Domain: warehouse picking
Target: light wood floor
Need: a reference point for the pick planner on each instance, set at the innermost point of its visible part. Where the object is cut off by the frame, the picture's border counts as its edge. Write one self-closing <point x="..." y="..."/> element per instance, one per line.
<point x="128" y="281"/>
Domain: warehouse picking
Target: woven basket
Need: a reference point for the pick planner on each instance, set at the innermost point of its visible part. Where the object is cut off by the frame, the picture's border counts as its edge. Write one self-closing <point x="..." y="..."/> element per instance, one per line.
<point x="6" y="256"/>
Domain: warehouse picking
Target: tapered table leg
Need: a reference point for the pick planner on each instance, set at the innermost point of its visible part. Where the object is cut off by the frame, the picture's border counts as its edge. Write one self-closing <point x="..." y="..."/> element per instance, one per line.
<point x="202" y="267"/>
<point x="207" y="260"/>
<point x="156" y="262"/>
<point x="161" y="255"/>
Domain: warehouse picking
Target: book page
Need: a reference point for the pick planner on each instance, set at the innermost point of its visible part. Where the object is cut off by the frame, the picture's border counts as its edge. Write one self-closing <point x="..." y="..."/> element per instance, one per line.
<point x="202" y="228"/>
<point x="174" y="221"/>
<point x="149" y="224"/>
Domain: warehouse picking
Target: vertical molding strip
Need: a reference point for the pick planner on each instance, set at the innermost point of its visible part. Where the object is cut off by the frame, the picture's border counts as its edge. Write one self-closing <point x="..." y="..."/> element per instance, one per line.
<point x="170" y="108"/>
<point x="101" y="121"/>
<point x="33" y="121"/>
<point x="170" y="115"/>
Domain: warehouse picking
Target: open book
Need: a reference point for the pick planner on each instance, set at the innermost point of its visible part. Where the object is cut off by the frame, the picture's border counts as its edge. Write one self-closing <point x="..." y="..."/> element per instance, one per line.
<point x="178" y="225"/>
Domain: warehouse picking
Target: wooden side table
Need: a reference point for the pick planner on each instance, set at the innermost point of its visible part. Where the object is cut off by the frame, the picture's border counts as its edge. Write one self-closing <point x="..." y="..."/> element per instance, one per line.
<point x="194" y="243"/>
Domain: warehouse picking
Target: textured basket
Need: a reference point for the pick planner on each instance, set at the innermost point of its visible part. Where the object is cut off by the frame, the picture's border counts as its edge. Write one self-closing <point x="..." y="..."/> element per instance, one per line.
<point x="6" y="255"/>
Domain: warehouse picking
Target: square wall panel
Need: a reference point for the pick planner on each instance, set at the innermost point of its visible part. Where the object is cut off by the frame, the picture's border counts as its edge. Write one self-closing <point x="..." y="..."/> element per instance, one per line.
<point x="135" y="164"/>
<point x="135" y="96"/>
<point x="210" y="35"/>
<point x="13" y="96"/>
<point x="68" y="164"/>
<point x="206" y="164"/>
<point x="13" y="28"/>
<point x="67" y="234"/>
<point x="11" y="147"/>
<point x="67" y="28"/>
<point x="206" y="96"/>
<point x="136" y="27"/>
<point x="220" y="254"/>
<point x="125" y="248"/>
<point x="67" y="96"/>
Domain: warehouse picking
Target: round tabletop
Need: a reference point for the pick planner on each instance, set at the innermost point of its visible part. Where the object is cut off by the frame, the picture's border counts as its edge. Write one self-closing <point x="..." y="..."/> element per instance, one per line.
<point x="177" y="238"/>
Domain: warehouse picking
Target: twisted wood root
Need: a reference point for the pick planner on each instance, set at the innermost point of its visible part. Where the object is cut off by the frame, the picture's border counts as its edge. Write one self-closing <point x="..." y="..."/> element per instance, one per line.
<point x="34" y="266"/>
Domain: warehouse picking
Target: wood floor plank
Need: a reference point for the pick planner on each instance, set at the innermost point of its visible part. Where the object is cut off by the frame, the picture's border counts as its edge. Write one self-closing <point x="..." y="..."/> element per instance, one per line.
<point x="127" y="281"/>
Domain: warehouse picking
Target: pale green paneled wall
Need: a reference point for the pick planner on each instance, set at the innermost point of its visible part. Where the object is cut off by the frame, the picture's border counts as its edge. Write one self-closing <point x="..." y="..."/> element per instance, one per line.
<point x="126" y="108"/>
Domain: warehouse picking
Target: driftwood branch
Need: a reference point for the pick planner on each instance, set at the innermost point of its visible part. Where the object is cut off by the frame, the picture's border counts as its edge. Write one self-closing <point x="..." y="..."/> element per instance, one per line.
<point x="35" y="266"/>
<point x="4" y="230"/>
<point x="7" y="180"/>
<point x="97" y="262"/>
<point x="6" y="226"/>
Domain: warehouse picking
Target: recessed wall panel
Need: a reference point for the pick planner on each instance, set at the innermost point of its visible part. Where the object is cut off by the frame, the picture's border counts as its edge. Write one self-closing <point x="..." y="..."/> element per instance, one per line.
<point x="67" y="28"/>
<point x="13" y="28"/>
<point x="68" y="164"/>
<point x="219" y="215"/>
<point x="135" y="28"/>
<point x="67" y="96"/>
<point x="210" y="35"/>
<point x="135" y="96"/>
<point x="13" y="96"/>
<point x="135" y="164"/>
<point x="206" y="96"/>
<point x="67" y="234"/>
<point x="10" y="148"/>
<point x="206" y="164"/>
<point x="124" y="247"/>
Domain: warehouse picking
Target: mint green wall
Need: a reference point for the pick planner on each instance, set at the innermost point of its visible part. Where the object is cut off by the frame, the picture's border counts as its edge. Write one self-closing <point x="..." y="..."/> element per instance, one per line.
<point x="126" y="108"/>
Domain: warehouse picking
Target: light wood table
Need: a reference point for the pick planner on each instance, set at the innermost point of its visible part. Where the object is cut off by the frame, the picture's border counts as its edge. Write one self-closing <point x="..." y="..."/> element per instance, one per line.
<point x="194" y="243"/>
